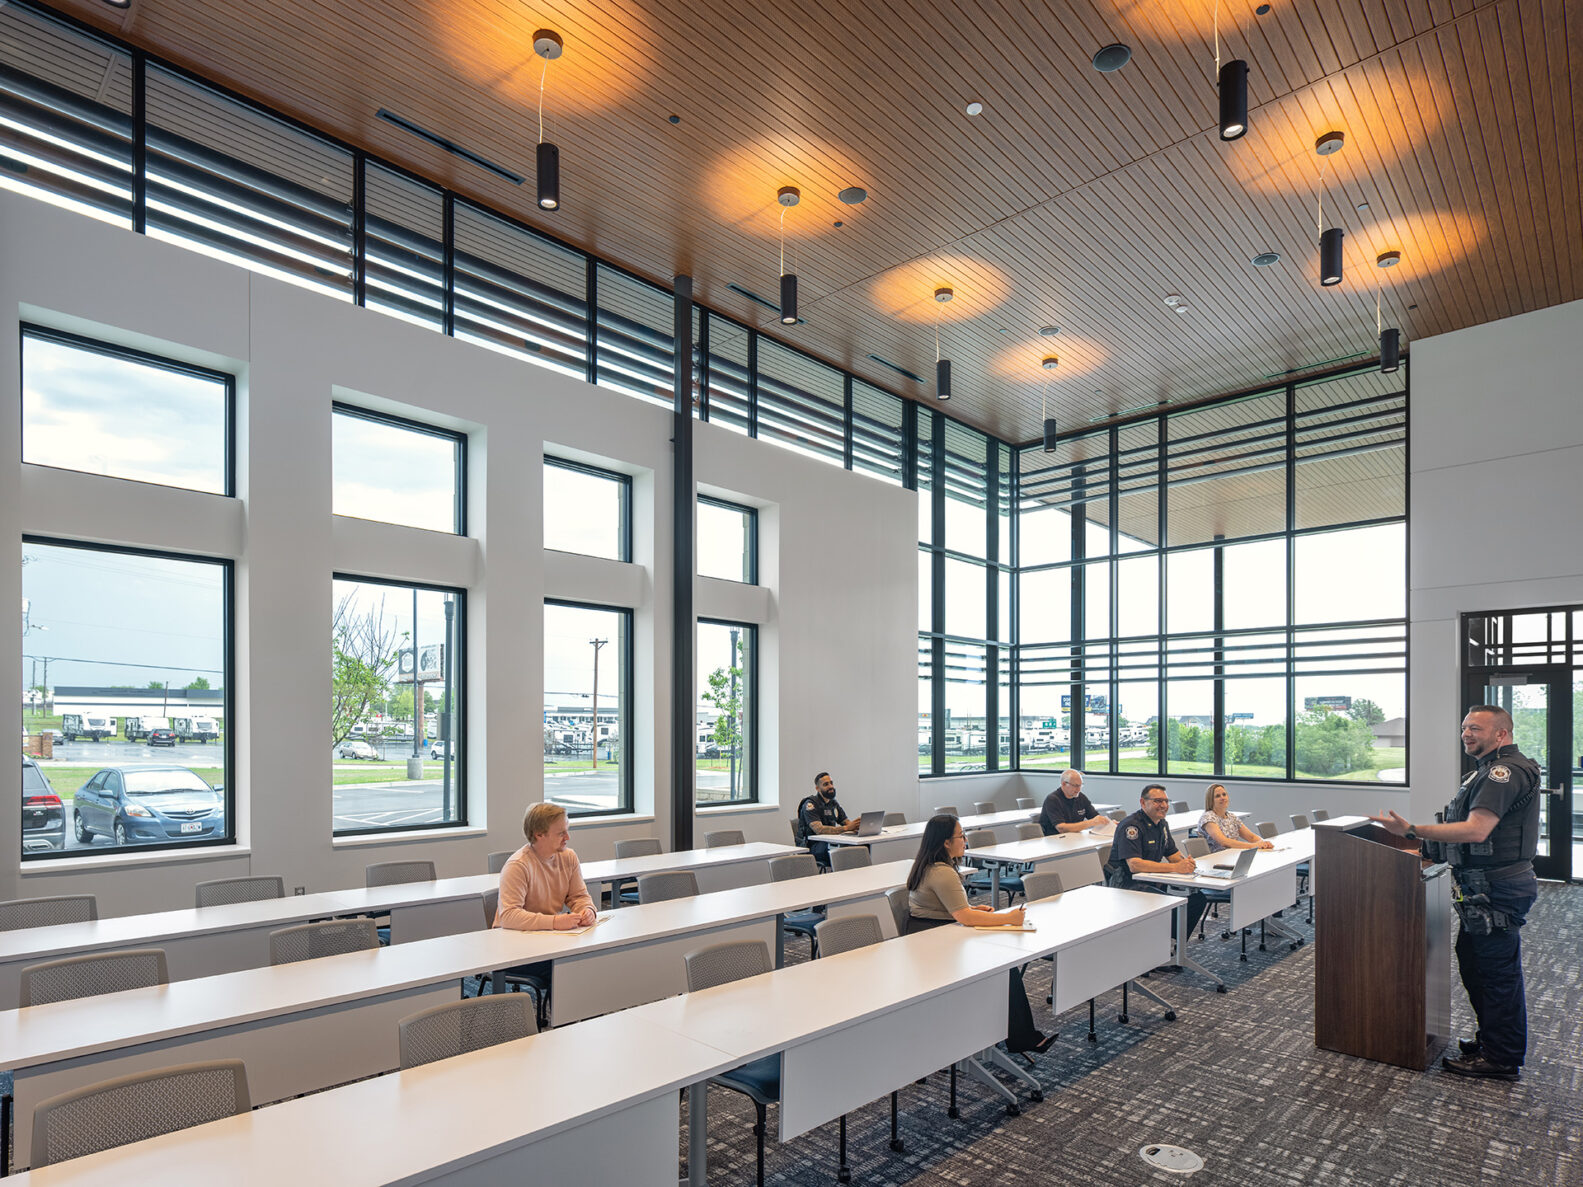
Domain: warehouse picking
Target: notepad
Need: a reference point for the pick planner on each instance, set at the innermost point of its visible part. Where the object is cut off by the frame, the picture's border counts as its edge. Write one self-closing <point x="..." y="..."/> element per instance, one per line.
<point x="1006" y="927"/>
<point x="577" y="931"/>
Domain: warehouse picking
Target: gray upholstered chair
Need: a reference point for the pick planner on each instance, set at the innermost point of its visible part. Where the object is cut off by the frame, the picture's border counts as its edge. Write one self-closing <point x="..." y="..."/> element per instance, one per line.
<point x="1195" y="847"/>
<point x="984" y="807"/>
<point x="894" y="818"/>
<point x="638" y="847"/>
<point x="1029" y="831"/>
<point x="1299" y="821"/>
<point x="1038" y="884"/>
<point x="793" y="865"/>
<point x="1026" y="802"/>
<point x="1117" y="814"/>
<point x="1179" y="805"/>
<point x="850" y="857"/>
<point x="470" y="1025"/>
<point x="799" y="923"/>
<point x="132" y="1108"/>
<point x="1318" y="814"/>
<point x="21" y="913"/>
<point x="759" y="1081"/>
<point x="948" y="810"/>
<point x="497" y="861"/>
<point x="1266" y="829"/>
<point x="673" y="884"/>
<point x="88" y="976"/>
<point x="221" y="891"/>
<point x="726" y="836"/>
<point x="900" y="912"/>
<point x="394" y="873"/>
<point x="328" y="937"/>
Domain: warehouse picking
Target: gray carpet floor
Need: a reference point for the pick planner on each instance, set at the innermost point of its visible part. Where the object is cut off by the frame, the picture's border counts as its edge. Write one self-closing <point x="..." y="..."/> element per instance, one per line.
<point x="1236" y="1079"/>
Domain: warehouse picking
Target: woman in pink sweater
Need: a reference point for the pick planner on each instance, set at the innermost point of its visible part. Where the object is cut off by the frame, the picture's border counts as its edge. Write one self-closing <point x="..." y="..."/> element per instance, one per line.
<point x="541" y="886"/>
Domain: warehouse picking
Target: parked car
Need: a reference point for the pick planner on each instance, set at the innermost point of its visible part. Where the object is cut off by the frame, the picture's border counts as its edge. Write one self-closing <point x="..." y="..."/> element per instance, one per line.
<point x="147" y="804"/>
<point x="355" y="748"/>
<point x="439" y="751"/>
<point x="162" y="737"/>
<point x="43" y="818"/>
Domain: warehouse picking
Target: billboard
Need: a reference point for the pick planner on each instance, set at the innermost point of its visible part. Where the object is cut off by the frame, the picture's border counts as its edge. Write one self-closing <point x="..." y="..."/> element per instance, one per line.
<point x="430" y="664"/>
<point x="1094" y="703"/>
<point x="1326" y="703"/>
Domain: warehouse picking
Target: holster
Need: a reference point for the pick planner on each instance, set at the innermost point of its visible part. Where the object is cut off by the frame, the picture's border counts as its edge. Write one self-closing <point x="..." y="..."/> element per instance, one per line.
<point x="1472" y="902"/>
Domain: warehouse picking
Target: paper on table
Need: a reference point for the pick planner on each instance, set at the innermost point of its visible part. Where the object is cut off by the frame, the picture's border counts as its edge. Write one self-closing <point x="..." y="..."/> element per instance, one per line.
<point x="577" y="931"/>
<point x="1006" y="927"/>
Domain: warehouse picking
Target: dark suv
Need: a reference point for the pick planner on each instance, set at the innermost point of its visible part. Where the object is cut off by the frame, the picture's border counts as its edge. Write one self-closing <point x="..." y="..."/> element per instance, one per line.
<point x="162" y="738"/>
<point x="43" y="820"/>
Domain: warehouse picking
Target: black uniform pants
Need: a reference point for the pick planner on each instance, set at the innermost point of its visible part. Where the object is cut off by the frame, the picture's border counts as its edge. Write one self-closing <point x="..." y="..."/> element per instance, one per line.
<point x="1492" y="973"/>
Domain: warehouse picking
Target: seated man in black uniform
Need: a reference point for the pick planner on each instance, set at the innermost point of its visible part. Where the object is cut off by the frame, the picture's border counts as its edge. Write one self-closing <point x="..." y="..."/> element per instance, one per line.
<point x="1144" y="845"/>
<point x="1067" y="809"/>
<point x="821" y="813"/>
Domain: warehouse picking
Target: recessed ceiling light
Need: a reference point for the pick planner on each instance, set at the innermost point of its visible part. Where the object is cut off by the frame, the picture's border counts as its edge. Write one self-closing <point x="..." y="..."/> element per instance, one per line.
<point x="1173" y="299"/>
<point x="974" y="108"/>
<point x="1388" y="259"/>
<point x="1049" y="331"/>
<point x="1262" y="10"/>
<point x="1412" y="307"/>
<point x="1050" y="362"/>
<point x="1330" y="142"/>
<point x="1112" y="58"/>
<point x="838" y="223"/>
<point x="1265" y="258"/>
<point x="1363" y="206"/>
<point x="119" y="3"/>
<point x="675" y="119"/>
<point x="943" y="295"/>
<point x="1180" y="309"/>
<point x="853" y="194"/>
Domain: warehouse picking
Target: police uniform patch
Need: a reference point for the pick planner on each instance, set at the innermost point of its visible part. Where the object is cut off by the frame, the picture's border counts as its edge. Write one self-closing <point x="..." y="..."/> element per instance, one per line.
<point x="1501" y="774"/>
<point x="1132" y="832"/>
<point x="811" y="806"/>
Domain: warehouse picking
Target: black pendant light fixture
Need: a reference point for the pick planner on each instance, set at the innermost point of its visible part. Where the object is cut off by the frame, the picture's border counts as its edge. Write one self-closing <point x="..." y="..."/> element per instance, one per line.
<point x="1390" y="339"/>
<point x="1049" y="364"/>
<point x="1329" y="237"/>
<point x="1232" y="81"/>
<point x="788" y="196"/>
<point x="548" y="45"/>
<point x="942" y="366"/>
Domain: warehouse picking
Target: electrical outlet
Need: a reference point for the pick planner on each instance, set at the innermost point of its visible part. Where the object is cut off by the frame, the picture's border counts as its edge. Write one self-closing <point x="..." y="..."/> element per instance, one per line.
<point x="301" y="890"/>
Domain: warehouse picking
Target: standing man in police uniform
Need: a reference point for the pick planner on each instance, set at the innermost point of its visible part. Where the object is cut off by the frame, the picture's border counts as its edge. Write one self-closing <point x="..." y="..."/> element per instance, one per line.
<point x="821" y="813"/>
<point x="1489" y="836"/>
<point x="1144" y="845"/>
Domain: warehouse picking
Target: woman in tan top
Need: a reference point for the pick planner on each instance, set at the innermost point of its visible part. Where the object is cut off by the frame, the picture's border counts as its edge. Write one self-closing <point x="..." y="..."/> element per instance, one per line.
<point x="541" y="886"/>
<point x="934" y="891"/>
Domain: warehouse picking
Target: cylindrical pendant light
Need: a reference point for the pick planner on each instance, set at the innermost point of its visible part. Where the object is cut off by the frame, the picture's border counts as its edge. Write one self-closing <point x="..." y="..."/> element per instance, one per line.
<point x="548" y="45"/>
<point x="1330" y="256"/>
<point x="942" y="366"/>
<point x="942" y="379"/>
<point x="788" y="196"/>
<point x="549" y="168"/>
<point x="1233" y="99"/>
<point x="1390" y="351"/>
<point x="1049" y="434"/>
<point x="1049" y="363"/>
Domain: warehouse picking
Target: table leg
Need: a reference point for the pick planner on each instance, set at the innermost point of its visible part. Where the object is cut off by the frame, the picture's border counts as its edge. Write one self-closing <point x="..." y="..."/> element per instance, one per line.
<point x="994" y="886"/>
<point x="1182" y="958"/>
<point x="780" y="941"/>
<point x="615" y="892"/>
<point x="1285" y="933"/>
<point x="697" y="1135"/>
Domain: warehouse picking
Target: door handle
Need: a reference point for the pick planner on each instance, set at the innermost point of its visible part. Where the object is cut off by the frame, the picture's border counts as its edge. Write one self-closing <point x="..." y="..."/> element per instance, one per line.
<point x="1557" y="792"/>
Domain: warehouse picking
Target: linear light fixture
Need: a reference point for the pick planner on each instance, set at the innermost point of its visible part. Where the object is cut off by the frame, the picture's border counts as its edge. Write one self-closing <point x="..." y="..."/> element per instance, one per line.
<point x="449" y="146"/>
<point x="899" y="370"/>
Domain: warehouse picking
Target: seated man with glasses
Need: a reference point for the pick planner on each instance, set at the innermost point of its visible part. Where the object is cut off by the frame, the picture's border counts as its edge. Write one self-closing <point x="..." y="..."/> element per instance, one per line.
<point x="1144" y="845"/>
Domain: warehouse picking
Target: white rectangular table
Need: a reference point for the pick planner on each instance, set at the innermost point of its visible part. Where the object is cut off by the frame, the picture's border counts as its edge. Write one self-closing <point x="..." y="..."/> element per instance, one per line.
<point x="900" y="841"/>
<point x="205" y="941"/>
<point x="1075" y="856"/>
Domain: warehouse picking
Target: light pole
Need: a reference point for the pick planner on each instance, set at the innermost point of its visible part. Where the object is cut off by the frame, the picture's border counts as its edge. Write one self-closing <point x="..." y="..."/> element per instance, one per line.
<point x="596" y="644"/>
<point x="733" y="731"/>
<point x="447" y="732"/>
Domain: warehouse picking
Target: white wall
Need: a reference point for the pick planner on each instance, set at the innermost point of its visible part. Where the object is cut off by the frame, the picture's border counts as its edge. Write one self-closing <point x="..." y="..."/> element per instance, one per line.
<point x="837" y="561"/>
<point x="1496" y="493"/>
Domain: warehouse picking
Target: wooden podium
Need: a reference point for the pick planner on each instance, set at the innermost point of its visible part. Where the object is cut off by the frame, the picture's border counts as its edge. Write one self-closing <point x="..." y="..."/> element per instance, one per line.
<point x="1382" y="947"/>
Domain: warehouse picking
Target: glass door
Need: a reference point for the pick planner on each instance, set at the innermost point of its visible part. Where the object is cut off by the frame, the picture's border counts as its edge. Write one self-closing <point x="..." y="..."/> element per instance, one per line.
<point x="1541" y="702"/>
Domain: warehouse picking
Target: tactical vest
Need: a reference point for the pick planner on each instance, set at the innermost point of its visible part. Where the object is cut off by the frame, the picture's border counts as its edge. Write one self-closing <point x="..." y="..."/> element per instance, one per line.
<point x="1515" y="837"/>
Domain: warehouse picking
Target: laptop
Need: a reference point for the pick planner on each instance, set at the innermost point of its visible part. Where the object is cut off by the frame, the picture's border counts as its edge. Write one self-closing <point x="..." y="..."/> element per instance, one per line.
<point x="870" y="823"/>
<point x="1229" y="870"/>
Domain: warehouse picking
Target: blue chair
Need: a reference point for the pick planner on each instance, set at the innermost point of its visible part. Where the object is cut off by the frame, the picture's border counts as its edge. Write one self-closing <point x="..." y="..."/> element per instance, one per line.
<point x="759" y="1081"/>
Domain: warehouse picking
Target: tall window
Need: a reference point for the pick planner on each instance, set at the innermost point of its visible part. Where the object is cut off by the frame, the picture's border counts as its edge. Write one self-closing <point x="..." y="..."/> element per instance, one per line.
<point x="727" y="751"/>
<point x="75" y="399"/>
<point x="727" y="541"/>
<point x="1221" y="591"/>
<point x="126" y="658"/>
<point x="587" y="510"/>
<point x="587" y="708"/>
<point x="398" y="471"/>
<point x="397" y="707"/>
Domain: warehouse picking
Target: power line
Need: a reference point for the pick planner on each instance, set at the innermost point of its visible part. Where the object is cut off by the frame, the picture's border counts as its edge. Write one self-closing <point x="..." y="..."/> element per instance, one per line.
<point x="110" y="663"/>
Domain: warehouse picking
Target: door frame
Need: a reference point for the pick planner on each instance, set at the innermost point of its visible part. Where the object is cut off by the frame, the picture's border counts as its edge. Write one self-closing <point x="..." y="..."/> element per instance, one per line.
<point x="1557" y="679"/>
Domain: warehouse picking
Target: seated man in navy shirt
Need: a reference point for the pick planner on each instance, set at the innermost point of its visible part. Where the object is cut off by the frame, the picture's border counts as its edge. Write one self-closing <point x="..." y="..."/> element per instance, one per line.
<point x="822" y="813"/>
<point x="1144" y="845"/>
<point x="1066" y="809"/>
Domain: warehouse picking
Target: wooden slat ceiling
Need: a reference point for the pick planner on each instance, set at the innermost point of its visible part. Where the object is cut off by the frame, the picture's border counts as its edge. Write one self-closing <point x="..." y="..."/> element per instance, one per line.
<point x="1077" y="198"/>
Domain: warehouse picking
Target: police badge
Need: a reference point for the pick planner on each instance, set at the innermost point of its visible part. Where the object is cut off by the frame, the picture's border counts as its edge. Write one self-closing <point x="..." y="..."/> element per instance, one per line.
<point x="1501" y="773"/>
<point x="1132" y="832"/>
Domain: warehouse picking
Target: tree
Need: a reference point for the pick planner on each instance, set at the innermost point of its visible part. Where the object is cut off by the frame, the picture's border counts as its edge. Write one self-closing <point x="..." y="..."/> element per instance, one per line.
<point x="156" y="684"/>
<point x="1333" y="744"/>
<point x="725" y="694"/>
<point x="198" y="682"/>
<point x="1366" y="711"/>
<point x="364" y="653"/>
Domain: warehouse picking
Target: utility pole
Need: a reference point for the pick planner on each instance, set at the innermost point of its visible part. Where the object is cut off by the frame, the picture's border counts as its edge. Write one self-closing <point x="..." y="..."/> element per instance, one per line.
<point x="596" y="644"/>
<point x="734" y="732"/>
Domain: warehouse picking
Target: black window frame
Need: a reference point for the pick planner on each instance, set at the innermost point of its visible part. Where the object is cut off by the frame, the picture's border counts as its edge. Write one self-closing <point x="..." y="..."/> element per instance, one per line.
<point x="228" y="652"/>
<point x="624" y="486"/>
<point x="112" y="350"/>
<point x="458" y="718"/>
<point x="751" y="515"/>
<point x="750" y="725"/>
<point x="626" y="799"/>
<point x="457" y="439"/>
